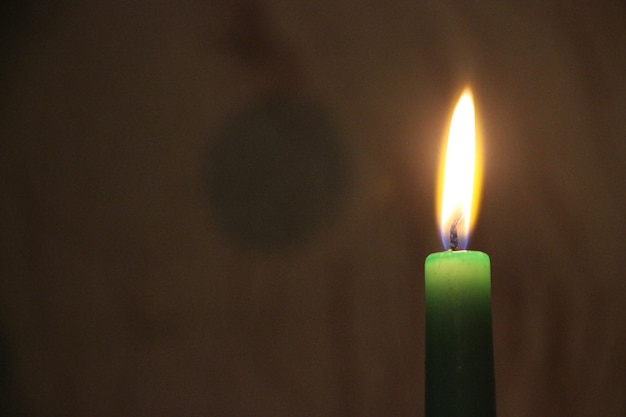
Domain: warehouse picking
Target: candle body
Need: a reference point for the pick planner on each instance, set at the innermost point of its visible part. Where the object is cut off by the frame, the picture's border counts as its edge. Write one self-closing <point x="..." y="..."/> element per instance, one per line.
<point x="459" y="345"/>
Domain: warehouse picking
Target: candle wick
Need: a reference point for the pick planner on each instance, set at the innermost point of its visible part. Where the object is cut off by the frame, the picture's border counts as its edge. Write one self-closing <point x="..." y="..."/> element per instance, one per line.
<point x="454" y="236"/>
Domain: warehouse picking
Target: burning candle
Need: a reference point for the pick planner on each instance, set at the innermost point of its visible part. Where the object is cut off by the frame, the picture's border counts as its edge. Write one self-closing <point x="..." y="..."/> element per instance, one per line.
<point x="459" y="347"/>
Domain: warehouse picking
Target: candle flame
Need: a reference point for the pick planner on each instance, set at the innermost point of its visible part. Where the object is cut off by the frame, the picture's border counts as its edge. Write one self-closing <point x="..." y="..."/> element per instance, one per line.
<point x="460" y="176"/>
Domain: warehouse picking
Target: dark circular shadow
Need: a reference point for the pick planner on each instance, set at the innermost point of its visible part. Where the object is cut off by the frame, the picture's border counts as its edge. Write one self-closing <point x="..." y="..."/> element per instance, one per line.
<point x="275" y="173"/>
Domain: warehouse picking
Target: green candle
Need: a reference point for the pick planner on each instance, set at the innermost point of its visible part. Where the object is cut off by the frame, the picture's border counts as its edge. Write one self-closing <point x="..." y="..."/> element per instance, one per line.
<point x="459" y="346"/>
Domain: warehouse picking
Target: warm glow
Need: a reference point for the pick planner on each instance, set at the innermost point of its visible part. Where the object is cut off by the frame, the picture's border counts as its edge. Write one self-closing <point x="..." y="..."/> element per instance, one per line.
<point x="460" y="177"/>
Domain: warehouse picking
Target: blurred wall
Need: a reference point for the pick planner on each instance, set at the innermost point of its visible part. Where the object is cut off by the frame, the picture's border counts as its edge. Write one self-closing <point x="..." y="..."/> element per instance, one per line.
<point x="223" y="208"/>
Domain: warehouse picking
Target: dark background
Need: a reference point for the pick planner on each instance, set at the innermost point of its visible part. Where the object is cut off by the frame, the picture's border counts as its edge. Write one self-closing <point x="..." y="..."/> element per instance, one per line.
<point x="223" y="208"/>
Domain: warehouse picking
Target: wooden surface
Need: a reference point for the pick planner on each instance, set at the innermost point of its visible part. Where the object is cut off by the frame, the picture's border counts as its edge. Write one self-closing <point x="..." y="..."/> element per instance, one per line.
<point x="160" y="258"/>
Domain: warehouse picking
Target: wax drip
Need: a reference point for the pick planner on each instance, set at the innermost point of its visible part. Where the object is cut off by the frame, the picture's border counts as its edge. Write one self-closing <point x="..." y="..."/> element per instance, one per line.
<point x="454" y="236"/>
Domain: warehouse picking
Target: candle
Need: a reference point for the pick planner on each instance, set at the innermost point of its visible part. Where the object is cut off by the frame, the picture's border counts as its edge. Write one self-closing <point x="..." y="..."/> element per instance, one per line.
<point x="459" y="346"/>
